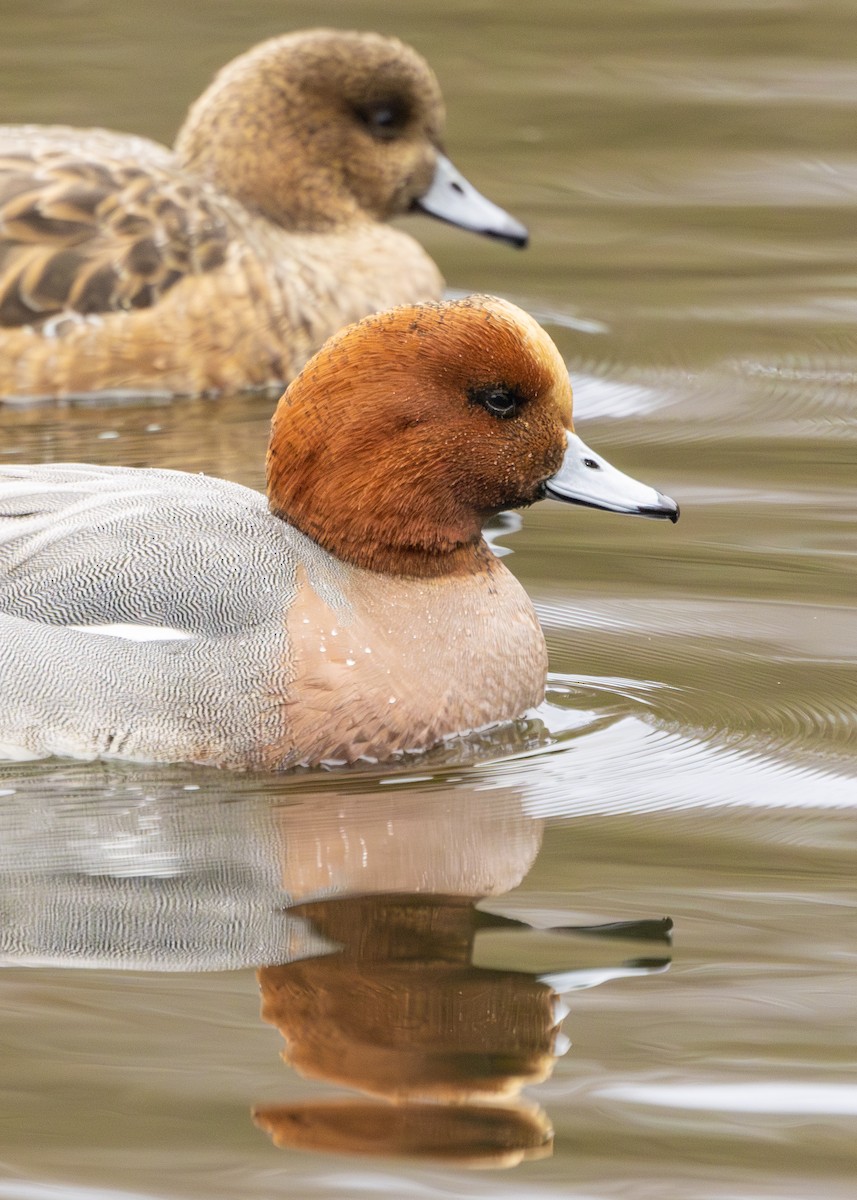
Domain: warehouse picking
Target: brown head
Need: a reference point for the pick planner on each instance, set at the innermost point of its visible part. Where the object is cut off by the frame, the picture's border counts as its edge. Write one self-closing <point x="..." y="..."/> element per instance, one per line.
<point x="407" y="431"/>
<point x="320" y="127"/>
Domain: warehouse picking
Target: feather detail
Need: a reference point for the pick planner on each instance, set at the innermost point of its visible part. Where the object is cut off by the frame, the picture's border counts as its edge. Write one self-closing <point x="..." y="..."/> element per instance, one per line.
<point x="98" y="237"/>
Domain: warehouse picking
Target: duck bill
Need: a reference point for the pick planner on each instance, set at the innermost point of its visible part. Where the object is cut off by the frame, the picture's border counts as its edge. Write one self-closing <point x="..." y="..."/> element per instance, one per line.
<point x="451" y="198"/>
<point x="587" y="478"/>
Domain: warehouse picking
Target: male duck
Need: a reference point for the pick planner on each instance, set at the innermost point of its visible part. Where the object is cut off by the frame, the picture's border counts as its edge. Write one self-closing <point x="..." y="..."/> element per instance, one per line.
<point x="224" y="264"/>
<point x="355" y="613"/>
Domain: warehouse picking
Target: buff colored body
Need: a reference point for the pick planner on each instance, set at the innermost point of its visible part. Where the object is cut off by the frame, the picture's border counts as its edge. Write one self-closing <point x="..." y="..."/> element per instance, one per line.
<point x="224" y="264"/>
<point x="355" y="614"/>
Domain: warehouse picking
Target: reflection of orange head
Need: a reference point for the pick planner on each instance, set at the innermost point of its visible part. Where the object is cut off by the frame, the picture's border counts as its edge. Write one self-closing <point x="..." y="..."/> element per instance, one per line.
<point x="400" y="1012"/>
<point x="411" y="1029"/>
<point x="471" y="1135"/>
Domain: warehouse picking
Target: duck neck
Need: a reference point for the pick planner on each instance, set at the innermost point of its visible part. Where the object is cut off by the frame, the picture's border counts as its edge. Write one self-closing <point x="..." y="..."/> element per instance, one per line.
<point x="416" y="562"/>
<point x="406" y="555"/>
<point x="381" y="512"/>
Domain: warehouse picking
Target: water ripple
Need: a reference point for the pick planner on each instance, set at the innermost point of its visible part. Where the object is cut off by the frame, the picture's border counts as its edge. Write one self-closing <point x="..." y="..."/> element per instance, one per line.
<point x="771" y="679"/>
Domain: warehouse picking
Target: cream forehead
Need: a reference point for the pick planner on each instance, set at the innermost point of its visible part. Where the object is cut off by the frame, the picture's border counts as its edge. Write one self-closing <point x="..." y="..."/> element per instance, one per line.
<point x="522" y="328"/>
<point x="537" y="342"/>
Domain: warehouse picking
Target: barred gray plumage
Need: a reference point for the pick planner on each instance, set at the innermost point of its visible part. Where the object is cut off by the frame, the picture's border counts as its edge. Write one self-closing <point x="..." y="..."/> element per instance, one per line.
<point x="91" y="546"/>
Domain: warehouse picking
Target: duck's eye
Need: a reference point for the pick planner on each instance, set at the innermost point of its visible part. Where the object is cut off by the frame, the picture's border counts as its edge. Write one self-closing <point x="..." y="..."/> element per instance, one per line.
<point x="385" y="119"/>
<point x="499" y="399"/>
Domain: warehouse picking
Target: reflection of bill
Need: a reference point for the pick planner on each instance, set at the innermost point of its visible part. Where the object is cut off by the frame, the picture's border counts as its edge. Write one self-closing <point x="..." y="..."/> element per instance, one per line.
<point x="400" y="1011"/>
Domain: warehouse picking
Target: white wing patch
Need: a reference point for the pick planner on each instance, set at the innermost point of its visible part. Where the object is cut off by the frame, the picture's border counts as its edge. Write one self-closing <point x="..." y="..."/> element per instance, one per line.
<point x="137" y="633"/>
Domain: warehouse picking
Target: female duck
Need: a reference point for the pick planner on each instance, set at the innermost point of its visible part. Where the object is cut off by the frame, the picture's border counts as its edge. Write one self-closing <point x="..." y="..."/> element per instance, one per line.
<point x="225" y="264"/>
<point x="356" y="613"/>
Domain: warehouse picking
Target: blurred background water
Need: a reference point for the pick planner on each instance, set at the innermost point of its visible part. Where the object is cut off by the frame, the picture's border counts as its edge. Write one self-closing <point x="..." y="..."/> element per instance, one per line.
<point x="688" y="172"/>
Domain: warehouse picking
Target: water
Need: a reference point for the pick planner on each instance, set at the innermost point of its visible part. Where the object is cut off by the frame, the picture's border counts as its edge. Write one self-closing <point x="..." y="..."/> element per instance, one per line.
<point x="688" y="171"/>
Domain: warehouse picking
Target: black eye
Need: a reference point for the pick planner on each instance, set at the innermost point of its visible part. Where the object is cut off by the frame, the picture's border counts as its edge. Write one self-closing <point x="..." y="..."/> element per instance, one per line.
<point x="592" y="464"/>
<point x="385" y="119"/>
<point x="499" y="399"/>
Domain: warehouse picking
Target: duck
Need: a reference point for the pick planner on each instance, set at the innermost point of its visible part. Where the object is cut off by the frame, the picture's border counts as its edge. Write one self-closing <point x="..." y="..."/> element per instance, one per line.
<point x="128" y="269"/>
<point x="352" y="613"/>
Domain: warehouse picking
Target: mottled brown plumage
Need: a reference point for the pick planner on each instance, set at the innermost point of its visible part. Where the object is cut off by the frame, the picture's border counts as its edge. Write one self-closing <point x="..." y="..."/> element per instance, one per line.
<point x="225" y="264"/>
<point x="96" y="237"/>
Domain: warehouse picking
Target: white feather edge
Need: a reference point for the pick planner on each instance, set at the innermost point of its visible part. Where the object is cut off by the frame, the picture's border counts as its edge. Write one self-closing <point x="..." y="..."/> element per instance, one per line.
<point x="137" y="633"/>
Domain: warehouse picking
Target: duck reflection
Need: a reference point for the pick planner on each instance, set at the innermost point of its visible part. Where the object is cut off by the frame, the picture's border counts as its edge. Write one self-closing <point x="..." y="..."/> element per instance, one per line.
<point x="367" y="916"/>
<point x="399" y="1010"/>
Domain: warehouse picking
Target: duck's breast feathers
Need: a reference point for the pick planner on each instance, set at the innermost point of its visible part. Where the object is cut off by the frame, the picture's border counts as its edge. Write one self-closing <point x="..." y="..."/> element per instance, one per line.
<point x="96" y="546"/>
<point x="93" y="222"/>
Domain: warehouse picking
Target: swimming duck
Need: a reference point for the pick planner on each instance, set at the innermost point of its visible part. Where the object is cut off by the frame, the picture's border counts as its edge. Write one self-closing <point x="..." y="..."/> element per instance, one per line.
<point x="356" y="612"/>
<point x="224" y="264"/>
